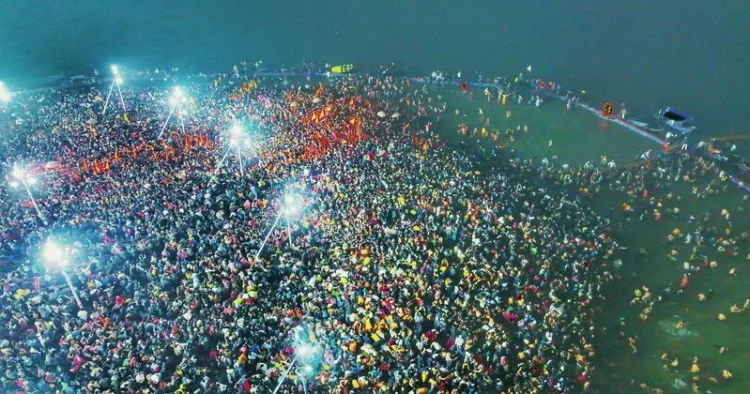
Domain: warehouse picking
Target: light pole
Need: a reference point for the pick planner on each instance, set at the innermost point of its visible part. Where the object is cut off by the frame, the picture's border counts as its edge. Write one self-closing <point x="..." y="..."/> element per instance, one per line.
<point x="301" y="374"/>
<point x="235" y="139"/>
<point x="175" y="100"/>
<point x="238" y="140"/>
<point x="55" y="255"/>
<point x="116" y="82"/>
<point x="263" y="244"/>
<point x="19" y="177"/>
<point x="302" y="354"/>
<point x="290" y="208"/>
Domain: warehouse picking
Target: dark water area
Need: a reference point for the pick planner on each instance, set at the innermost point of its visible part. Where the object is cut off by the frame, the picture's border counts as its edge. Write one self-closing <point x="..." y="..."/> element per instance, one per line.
<point x="691" y="55"/>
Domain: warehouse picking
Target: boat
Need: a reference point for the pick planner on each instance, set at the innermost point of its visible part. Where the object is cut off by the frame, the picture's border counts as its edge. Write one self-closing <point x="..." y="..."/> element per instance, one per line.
<point x="341" y="69"/>
<point x="638" y="123"/>
<point x="675" y="121"/>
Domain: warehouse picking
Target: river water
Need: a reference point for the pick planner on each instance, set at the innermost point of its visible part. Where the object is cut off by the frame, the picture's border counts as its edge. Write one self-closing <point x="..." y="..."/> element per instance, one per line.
<point x="680" y="327"/>
<point x="648" y="54"/>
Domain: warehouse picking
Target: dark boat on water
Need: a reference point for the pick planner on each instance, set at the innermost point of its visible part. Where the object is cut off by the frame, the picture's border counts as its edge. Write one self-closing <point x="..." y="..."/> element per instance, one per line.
<point x="674" y="120"/>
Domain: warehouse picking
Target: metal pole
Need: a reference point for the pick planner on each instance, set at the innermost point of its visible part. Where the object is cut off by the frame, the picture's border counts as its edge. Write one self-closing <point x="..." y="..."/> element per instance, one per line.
<point x="304" y="383"/>
<point x="167" y="121"/>
<point x="33" y="202"/>
<point x="289" y="231"/>
<point x="268" y="235"/>
<point x="106" y="102"/>
<point x="284" y="375"/>
<point x="239" y="158"/>
<point x="182" y="122"/>
<point x="72" y="289"/>
<point x="122" y="101"/>
<point x="218" y="166"/>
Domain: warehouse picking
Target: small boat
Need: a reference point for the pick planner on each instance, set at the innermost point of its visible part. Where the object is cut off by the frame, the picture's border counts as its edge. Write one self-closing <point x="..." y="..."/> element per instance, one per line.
<point x="341" y="69"/>
<point x="637" y="123"/>
<point x="675" y="120"/>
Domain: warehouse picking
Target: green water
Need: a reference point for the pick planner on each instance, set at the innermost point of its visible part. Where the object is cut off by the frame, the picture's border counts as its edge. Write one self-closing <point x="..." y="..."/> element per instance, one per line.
<point x="688" y="54"/>
<point x="578" y="136"/>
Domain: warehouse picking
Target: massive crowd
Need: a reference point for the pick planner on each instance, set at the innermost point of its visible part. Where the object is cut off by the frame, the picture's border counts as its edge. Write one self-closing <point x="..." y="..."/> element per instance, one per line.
<point x="411" y="267"/>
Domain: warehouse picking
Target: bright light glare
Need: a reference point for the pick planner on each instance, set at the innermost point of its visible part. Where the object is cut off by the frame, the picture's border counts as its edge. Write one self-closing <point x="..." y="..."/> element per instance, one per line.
<point x="306" y="350"/>
<point x="5" y="94"/>
<point x="291" y="205"/>
<point x="236" y="130"/>
<point x="118" y="80"/>
<point x="20" y="175"/>
<point x="53" y="253"/>
<point x="177" y="92"/>
<point x="115" y="69"/>
<point x="17" y="173"/>
<point x="308" y="368"/>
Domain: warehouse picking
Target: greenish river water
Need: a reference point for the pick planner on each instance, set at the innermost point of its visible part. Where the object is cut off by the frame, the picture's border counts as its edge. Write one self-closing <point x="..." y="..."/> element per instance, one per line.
<point x="678" y="328"/>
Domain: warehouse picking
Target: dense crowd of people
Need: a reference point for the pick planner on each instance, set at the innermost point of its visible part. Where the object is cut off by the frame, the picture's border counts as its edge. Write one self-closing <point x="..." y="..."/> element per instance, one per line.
<point x="411" y="267"/>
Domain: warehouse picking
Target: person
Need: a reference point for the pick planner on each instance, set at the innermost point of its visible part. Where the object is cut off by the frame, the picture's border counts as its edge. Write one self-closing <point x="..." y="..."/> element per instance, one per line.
<point x="410" y="265"/>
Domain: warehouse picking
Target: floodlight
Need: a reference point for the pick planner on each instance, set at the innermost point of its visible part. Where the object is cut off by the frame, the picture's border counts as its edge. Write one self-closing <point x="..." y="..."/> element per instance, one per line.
<point x="18" y="173"/>
<point x="291" y="204"/>
<point x="52" y="252"/>
<point x="5" y="94"/>
<point x="306" y="350"/>
<point x="236" y="130"/>
<point x="116" y="82"/>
